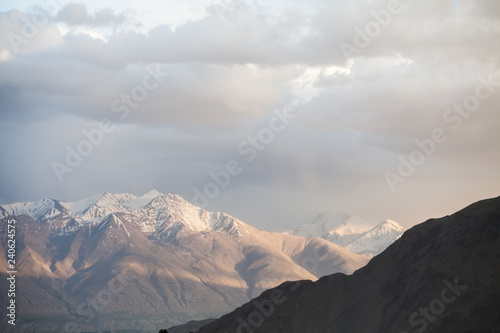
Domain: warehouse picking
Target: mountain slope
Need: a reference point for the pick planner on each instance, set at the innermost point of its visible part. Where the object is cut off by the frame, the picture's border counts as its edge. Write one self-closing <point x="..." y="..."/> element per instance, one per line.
<point x="440" y="276"/>
<point x="351" y="232"/>
<point x="119" y="261"/>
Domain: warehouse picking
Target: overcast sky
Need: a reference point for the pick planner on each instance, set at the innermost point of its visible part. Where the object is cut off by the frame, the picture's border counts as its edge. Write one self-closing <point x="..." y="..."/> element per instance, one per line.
<point x="295" y="107"/>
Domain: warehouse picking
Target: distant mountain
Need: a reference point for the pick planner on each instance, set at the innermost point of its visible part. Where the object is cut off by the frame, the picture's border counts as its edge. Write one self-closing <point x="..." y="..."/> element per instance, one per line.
<point x="120" y="261"/>
<point x="440" y="276"/>
<point x="351" y="232"/>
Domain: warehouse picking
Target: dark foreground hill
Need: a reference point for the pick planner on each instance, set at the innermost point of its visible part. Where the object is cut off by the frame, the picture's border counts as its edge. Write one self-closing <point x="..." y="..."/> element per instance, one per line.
<point x="191" y="326"/>
<point x="440" y="276"/>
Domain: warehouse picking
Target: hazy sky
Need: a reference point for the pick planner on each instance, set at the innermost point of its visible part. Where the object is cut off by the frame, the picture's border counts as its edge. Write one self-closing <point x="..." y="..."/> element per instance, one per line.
<point x="273" y="110"/>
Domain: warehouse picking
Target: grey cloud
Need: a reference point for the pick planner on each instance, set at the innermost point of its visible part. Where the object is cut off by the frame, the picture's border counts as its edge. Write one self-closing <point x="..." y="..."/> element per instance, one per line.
<point x="77" y="14"/>
<point x="225" y="79"/>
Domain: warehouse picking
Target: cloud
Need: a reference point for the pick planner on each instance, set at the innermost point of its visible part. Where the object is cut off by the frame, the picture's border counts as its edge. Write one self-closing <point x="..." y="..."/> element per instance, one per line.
<point x="77" y="14"/>
<point x="223" y="75"/>
<point x="26" y="33"/>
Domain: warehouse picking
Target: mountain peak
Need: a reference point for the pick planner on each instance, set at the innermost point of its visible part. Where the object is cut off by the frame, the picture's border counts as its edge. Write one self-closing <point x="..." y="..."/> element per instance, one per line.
<point x="328" y="223"/>
<point x="392" y="224"/>
<point x="41" y="209"/>
<point x="152" y="194"/>
<point x="351" y="232"/>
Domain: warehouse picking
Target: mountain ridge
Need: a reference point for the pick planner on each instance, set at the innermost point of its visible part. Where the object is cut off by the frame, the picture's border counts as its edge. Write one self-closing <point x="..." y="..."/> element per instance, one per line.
<point x="172" y="261"/>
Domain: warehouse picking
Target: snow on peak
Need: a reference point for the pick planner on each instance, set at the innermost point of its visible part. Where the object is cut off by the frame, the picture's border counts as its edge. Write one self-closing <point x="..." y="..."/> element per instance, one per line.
<point x="351" y="232"/>
<point x="103" y="204"/>
<point x="80" y="205"/>
<point x="392" y="224"/>
<point x="97" y="207"/>
<point x="328" y="223"/>
<point x="152" y="194"/>
<point x="40" y="210"/>
<point x="174" y="207"/>
<point x="151" y="212"/>
<point x="377" y="239"/>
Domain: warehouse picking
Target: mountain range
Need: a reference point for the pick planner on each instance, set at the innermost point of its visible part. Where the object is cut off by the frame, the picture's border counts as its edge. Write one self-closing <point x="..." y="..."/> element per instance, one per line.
<point x="440" y="276"/>
<point x="118" y="261"/>
<point x="351" y="232"/>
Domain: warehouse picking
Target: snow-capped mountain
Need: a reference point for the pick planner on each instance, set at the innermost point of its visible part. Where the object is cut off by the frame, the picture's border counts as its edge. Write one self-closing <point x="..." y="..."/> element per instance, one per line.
<point x="351" y="232"/>
<point x="377" y="239"/>
<point x="173" y="261"/>
<point x="153" y="212"/>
